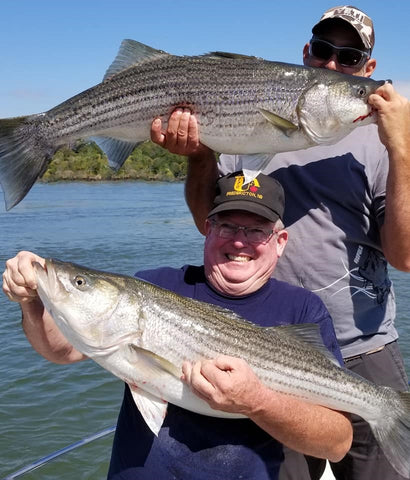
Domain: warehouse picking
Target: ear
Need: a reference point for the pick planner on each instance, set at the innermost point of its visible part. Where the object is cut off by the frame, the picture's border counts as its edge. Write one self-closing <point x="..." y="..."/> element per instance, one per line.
<point x="369" y="67"/>
<point x="306" y="54"/>
<point x="281" y="242"/>
<point x="207" y="227"/>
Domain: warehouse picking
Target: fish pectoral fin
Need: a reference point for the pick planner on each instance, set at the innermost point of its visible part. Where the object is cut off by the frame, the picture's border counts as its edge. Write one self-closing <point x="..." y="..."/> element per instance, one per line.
<point x="130" y="53"/>
<point x="153" y="409"/>
<point x="286" y="126"/>
<point x="117" y="151"/>
<point x="310" y="333"/>
<point x="153" y="363"/>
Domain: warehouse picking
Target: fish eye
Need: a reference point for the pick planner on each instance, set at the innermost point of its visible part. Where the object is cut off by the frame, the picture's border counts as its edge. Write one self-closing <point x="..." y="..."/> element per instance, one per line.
<point x="80" y="282"/>
<point x="361" y="91"/>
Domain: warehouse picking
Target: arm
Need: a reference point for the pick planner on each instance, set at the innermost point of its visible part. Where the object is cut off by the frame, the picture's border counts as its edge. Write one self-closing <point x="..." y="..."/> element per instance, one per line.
<point x="19" y="284"/>
<point x="200" y="186"/>
<point x="229" y="384"/>
<point x="393" y="113"/>
<point x="182" y="137"/>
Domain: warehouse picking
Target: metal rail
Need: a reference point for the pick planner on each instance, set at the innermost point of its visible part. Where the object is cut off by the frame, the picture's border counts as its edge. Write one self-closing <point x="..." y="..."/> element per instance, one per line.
<point x="38" y="463"/>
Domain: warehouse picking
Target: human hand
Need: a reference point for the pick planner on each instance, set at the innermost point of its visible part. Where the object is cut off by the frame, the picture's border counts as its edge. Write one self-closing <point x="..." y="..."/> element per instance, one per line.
<point x="393" y="112"/>
<point x="19" y="279"/>
<point x="182" y="134"/>
<point x="225" y="383"/>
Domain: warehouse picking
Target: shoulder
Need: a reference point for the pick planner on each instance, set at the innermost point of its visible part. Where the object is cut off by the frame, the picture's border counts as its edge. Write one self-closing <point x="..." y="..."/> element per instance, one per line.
<point x="175" y="279"/>
<point x="299" y="305"/>
<point x="158" y="275"/>
<point x="228" y="163"/>
<point x="287" y="290"/>
<point x="294" y="304"/>
<point x="362" y="145"/>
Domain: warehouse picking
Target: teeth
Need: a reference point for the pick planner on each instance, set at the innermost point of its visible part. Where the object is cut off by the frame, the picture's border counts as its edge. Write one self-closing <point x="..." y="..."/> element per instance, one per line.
<point x="238" y="258"/>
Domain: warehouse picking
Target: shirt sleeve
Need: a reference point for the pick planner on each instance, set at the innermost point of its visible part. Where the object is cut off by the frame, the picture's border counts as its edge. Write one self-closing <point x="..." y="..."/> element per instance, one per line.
<point x="165" y="277"/>
<point x="379" y="182"/>
<point x="228" y="164"/>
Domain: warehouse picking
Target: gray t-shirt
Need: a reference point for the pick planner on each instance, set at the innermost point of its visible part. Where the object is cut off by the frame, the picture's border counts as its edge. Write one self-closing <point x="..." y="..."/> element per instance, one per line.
<point x="335" y="198"/>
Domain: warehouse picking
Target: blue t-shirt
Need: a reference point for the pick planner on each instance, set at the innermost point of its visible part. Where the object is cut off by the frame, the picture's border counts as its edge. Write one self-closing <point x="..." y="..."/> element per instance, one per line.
<point x="192" y="446"/>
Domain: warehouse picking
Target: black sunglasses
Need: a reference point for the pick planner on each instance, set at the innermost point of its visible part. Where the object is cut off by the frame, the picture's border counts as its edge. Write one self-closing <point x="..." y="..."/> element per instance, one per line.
<point x="346" y="56"/>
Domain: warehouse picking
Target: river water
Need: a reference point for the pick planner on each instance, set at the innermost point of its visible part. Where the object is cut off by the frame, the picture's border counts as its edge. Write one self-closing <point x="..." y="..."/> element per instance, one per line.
<point x="121" y="227"/>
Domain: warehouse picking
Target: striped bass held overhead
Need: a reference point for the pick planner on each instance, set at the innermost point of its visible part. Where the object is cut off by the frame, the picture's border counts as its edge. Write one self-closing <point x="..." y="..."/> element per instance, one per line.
<point x="143" y="334"/>
<point x="244" y="105"/>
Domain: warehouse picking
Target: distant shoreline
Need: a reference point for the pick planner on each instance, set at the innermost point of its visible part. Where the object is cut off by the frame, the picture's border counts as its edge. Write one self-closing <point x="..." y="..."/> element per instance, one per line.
<point x="86" y="162"/>
<point x="113" y="178"/>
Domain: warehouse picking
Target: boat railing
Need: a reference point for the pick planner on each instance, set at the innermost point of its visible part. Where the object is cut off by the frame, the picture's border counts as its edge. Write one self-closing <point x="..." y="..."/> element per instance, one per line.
<point x="42" y="461"/>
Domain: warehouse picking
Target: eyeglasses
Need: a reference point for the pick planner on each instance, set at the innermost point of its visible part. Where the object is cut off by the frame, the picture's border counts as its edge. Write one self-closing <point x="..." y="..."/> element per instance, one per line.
<point x="346" y="56"/>
<point x="254" y="235"/>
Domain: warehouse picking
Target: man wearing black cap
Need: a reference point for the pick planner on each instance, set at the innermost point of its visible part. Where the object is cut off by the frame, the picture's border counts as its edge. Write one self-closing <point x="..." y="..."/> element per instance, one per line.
<point x="244" y="239"/>
<point x="348" y="215"/>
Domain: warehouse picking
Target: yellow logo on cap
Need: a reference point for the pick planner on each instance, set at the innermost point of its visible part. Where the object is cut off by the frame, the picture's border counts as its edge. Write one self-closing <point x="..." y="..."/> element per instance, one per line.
<point x="248" y="190"/>
<point x="251" y="186"/>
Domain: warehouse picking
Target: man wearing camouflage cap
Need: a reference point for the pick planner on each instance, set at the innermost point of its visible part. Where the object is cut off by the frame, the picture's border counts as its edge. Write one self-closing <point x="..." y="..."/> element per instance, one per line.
<point x="347" y="211"/>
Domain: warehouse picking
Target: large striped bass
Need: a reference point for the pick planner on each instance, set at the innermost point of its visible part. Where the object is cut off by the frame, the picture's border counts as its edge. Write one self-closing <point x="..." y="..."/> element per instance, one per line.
<point x="244" y="105"/>
<point x="143" y="334"/>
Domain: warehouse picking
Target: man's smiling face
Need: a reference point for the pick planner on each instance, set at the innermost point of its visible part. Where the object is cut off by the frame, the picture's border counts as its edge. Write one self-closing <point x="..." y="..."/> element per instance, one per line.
<point x="235" y="266"/>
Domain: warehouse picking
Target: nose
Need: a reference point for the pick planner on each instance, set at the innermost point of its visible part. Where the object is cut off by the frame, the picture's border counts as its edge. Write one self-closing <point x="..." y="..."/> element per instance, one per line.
<point x="240" y="238"/>
<point x="332" y="63"/>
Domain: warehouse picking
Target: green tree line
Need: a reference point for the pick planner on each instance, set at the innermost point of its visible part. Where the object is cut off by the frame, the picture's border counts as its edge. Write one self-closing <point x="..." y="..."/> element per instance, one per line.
<point x="87" y="162"/>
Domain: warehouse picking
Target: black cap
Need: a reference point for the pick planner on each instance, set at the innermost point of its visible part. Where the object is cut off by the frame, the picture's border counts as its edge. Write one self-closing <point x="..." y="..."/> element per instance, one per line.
<point x="264" y="196"/>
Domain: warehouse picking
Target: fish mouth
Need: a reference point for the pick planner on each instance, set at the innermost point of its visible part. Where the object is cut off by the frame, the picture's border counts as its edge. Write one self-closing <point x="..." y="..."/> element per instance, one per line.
<point x="48" y="284"/>
<point x="363" y="117"/>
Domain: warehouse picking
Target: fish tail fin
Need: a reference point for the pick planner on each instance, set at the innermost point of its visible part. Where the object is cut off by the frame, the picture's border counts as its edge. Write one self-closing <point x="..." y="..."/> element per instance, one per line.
<point x="25" y="153"/>
<point x="393" y="432"/>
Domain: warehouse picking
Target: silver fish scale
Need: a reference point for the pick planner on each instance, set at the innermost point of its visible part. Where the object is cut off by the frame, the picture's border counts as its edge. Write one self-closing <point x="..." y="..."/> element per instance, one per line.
<point x="194" y="330"/>
<point x="223" y="95"/>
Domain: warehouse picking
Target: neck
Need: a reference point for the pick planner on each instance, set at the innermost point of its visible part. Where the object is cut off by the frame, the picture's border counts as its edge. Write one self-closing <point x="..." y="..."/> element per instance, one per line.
<point x="234" y="289"/>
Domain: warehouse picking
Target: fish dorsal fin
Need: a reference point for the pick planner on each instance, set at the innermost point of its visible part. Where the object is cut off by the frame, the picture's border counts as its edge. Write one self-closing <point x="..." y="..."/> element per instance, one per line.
<point x="117" y="151"/>
<point x="309" y="333"/>
<point x="130" y="53"/>
<point x="152" y="409"/>
<point x="232" y="56"/>
<point x="286" y="126"/>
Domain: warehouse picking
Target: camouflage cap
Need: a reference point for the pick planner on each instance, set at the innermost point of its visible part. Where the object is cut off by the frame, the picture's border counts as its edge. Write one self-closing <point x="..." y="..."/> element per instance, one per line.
<point x="361" y="22"/>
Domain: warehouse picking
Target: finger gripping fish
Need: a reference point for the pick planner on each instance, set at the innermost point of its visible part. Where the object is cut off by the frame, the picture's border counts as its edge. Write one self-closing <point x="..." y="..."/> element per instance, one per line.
<point x="143" y="334"/>
<point x="244" y="105"/>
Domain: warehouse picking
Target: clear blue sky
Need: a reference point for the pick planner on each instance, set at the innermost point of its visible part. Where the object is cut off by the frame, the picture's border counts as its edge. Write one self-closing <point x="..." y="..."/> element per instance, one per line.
<point x="53" y="49"/>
